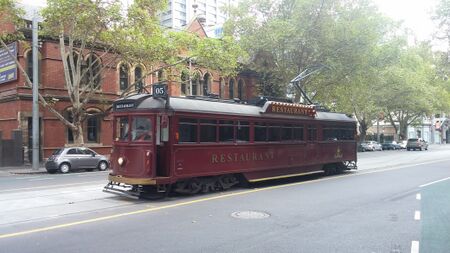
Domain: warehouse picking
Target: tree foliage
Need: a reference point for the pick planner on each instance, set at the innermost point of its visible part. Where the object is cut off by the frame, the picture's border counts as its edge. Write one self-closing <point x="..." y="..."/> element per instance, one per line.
<point x="95" y="35"/>
<point x="371" y="69"/>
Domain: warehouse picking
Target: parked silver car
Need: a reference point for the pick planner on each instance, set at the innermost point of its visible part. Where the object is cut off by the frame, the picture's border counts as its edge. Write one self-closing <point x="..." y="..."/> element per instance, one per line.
<point x="74" y="158"/>
<point x="416" y="143"/>
<point x="374" y="146"/>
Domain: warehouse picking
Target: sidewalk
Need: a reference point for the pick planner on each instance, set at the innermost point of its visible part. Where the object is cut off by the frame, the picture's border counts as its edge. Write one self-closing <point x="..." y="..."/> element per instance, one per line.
<point x="23" y="169"/>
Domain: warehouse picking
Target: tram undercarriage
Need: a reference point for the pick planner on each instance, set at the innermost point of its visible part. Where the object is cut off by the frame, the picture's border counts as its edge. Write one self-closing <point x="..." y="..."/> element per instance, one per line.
<point x="207" y="184"/>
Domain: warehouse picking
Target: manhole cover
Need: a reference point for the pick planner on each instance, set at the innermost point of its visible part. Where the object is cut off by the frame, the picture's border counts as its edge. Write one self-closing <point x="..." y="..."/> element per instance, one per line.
<point x="250" y="215"/>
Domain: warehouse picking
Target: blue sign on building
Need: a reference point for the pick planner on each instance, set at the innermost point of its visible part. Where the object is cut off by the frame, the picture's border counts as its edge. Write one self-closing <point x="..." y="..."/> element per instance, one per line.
<point x="8" y="67"/>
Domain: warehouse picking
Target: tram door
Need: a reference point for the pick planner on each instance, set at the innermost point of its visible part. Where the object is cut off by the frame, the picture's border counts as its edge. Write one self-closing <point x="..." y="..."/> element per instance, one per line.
<point x="141" y="154"/>
<point x="311" y="143"/>
<point x="162" y="147"/>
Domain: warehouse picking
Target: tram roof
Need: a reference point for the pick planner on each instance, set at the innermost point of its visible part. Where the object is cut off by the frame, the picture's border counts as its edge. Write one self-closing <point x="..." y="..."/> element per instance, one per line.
<point x="185" y="104"/>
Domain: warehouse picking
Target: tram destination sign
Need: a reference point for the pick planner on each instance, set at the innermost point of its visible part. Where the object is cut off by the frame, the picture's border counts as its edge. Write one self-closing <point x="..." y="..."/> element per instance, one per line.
<point x="291" y="109"/>
<point x="124" y="105"/>
<point x="8" y="66"/>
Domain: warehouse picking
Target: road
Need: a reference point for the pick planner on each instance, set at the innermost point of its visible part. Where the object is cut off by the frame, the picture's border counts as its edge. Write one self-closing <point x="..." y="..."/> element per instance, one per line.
<point x="396" y="202"/>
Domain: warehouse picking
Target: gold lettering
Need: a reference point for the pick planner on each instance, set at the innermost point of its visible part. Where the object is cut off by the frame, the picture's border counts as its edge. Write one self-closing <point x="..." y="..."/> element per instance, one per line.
<point x="229" y="158"/>
<point x="222" y="158"/>
<point x="261" y="157"/>
<point x="214" y="158"/>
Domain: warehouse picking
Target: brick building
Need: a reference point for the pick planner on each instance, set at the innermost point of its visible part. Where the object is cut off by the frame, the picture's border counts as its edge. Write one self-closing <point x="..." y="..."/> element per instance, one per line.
<point x="16" y="97"/>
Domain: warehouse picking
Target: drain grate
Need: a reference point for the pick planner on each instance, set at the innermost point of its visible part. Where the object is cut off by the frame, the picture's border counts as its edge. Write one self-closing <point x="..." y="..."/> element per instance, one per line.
<point x="250" y="215"/>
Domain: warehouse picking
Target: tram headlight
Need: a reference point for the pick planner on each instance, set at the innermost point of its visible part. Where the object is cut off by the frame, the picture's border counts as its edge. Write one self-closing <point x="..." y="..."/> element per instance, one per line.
<point x="120" y="161"/>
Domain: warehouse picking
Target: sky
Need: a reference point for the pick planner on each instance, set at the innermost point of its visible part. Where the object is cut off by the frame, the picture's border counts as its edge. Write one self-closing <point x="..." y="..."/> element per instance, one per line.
<point x="414" y="13"/>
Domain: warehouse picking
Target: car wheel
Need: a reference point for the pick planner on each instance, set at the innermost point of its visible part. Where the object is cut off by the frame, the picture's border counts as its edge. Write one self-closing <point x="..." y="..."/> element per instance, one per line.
<point x="102" y="166"/>
<point x="64" y="168"/>
<point x="420" y="149"/>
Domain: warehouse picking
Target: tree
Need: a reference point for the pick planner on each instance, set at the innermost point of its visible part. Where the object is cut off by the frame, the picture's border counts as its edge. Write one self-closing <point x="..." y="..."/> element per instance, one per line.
<point x="103" y="32"/>
<point x="286" y="37"/>
<point x="411" y="90"/>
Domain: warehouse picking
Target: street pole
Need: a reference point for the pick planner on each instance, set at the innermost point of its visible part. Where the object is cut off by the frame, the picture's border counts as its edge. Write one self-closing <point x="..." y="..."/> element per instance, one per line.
<point x="35" y="94"/>
<point x="190" y="77"/>
<point x="378" y="129"/>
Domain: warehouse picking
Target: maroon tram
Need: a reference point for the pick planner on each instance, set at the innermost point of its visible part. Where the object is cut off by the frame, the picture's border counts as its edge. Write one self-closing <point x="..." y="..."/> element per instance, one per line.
<point x="194" y="144"/>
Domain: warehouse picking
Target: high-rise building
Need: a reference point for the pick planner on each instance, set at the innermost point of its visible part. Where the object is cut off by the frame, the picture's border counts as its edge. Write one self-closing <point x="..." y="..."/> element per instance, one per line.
<point x="181" y="12"/>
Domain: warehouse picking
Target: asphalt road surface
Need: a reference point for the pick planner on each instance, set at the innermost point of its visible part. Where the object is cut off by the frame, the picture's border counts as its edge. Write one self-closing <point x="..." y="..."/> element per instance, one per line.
<point x="397" y="201"/>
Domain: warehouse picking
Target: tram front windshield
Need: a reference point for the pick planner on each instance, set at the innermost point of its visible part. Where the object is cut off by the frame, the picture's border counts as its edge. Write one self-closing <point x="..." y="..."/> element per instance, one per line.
<point x="139" y="129"/>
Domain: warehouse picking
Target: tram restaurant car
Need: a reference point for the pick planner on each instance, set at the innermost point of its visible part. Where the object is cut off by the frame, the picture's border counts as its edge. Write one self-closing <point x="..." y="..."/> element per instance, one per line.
<point x="190" y="144"/>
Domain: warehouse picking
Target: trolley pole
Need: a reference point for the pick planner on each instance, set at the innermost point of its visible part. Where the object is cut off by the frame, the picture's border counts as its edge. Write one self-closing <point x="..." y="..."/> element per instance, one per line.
<point x="35" y="116"/>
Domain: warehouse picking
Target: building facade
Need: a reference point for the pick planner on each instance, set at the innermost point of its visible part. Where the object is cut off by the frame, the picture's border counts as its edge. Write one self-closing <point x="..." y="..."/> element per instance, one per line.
<point x="434" y="130"/>
<point x="181" y="12"/>
<point x="16" y="96"/>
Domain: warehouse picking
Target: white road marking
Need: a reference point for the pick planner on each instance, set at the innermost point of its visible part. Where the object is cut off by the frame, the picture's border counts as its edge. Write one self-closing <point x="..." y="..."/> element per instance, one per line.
<point x="434" y="182"/>
<point x="22" y="178"/>
<point x="415" y="247"/>
<point x="418" y="196"/>
<point x="41" y="179"/>
<point x="417" y="215"/>
<point x="46" y="187"/>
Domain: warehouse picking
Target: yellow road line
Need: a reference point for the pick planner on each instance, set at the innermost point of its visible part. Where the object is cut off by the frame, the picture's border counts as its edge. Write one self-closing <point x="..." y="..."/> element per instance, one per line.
<point x="26" y="232"/>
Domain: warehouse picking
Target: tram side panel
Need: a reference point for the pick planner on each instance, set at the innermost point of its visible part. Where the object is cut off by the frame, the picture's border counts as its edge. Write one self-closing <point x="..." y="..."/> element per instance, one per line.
<point x="270" y="160"/>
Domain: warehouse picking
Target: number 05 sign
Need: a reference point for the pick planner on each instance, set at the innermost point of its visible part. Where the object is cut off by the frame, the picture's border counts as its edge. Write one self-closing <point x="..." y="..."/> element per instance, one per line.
<point x="159" y="91"/>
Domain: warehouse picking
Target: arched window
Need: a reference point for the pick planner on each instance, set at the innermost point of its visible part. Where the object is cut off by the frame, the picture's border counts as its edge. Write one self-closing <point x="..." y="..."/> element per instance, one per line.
<point x="221" y="87"/>
<point x="206" y="85"/>
<point x="241" y="91"/>
<point x="29" y="68"/>
<point x="91" y="71"/>
<point x="93" y="126"/>
<point x="124" y="80"/>
<point x="184" y="82"/>
<point x="195" y="84"/>
<point x="161" y="75"/>
<point x="69" y="117"/>
<point x="231" y="88"/>
<point x="73" y="67"/>
<point x="139" y="84"/>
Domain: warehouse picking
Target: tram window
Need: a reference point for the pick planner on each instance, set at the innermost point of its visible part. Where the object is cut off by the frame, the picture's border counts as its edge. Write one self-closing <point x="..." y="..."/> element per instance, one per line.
<point x="298" y="133"/>
<point x="330" y="134"/>
<point x="243" y="131"/>
<point x="260" y="132"/>
<point x="347" y="134"/>
<point x="208" y="130"/>
<point x="141" y="129"/>
<point x="226" y="130"/>
<point x="188" y="130"/>
<point x="312" y="133"/>
<point x="274" y="133"/>
<point x="286" y="133"/>
<point x="122" y="127"/>
<point x="338" y="134"/>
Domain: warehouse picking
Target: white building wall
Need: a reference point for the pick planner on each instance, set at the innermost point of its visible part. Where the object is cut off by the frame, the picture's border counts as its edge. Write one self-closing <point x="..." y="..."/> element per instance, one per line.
<point x="180" y="13"/>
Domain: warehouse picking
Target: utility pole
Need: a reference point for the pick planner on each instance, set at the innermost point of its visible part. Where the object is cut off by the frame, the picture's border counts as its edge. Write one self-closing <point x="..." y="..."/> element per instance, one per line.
<point x="190" y="77"/>
<point x="35" y="115"/>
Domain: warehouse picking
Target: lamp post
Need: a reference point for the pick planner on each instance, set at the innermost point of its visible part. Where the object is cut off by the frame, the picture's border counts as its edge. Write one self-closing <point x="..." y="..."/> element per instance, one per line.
<point x="35" y="113"/>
